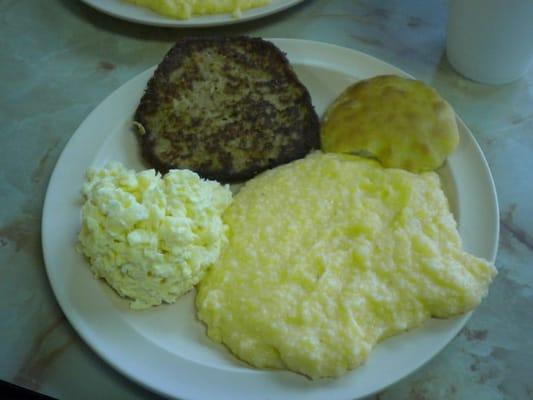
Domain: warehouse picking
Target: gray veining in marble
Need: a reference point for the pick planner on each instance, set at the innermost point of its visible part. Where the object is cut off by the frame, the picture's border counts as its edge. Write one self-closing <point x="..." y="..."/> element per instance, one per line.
<point x="60" y="58"/>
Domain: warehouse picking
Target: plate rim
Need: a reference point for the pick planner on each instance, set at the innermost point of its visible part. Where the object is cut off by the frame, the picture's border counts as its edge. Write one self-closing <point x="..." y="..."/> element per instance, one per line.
<point x="76" y="324"/>
<point x="203" y="21"/>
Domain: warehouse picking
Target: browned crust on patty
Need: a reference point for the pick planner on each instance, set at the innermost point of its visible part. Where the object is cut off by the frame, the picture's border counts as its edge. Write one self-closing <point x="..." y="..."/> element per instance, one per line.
<point x="227" y="108"/>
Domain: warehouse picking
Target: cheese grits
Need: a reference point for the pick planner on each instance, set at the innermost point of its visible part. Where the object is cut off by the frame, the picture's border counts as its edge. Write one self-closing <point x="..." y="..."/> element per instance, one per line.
<point x="185" y="9"/>
<point x="331" y="254"/>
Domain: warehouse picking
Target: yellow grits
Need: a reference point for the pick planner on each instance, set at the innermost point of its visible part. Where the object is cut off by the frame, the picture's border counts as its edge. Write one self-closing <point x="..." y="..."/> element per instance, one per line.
<point x="185" y="9"/>
<point x="331" y="254"/>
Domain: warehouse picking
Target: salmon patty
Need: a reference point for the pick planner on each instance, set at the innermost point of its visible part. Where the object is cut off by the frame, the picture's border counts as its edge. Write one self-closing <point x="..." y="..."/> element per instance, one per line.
<point x="226" y="108"/>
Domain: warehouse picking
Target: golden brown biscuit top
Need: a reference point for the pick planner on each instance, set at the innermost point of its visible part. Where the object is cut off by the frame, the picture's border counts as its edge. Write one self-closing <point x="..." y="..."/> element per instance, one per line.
<point x="402" y="122"/>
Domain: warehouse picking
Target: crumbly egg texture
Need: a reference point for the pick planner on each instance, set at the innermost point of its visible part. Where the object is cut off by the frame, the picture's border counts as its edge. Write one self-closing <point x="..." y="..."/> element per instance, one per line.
<point x="151" y="237"/>
<point x="331" y="254"/>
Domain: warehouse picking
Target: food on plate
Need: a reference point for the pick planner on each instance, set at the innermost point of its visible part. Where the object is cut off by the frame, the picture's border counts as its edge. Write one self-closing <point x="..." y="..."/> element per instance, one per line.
<point x="331" y="254"/>
<point x="151" y="237"/>
<point x="402" y="122"/>
<point x="185" y="9"/>
<point x="226" y="108"/>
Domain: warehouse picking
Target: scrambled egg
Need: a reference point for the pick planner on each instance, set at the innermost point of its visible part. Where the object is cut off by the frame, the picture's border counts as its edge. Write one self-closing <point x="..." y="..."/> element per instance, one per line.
<point x="185" y="9"/>
<point x="151" y="238"/>
<point x="331" y="254"/>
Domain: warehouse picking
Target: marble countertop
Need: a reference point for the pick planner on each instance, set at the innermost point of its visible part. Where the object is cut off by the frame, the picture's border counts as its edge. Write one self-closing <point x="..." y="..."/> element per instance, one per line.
<point x="60" y="58"/>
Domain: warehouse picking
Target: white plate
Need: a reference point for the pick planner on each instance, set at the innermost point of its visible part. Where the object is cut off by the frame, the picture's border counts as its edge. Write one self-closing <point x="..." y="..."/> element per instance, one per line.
<point x="165" y="348"/>
<point x="133" y="13"/>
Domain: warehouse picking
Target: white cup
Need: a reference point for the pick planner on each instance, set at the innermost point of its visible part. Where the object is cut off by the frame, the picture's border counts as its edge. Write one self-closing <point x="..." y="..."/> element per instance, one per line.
<point x="490" y="41"/>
